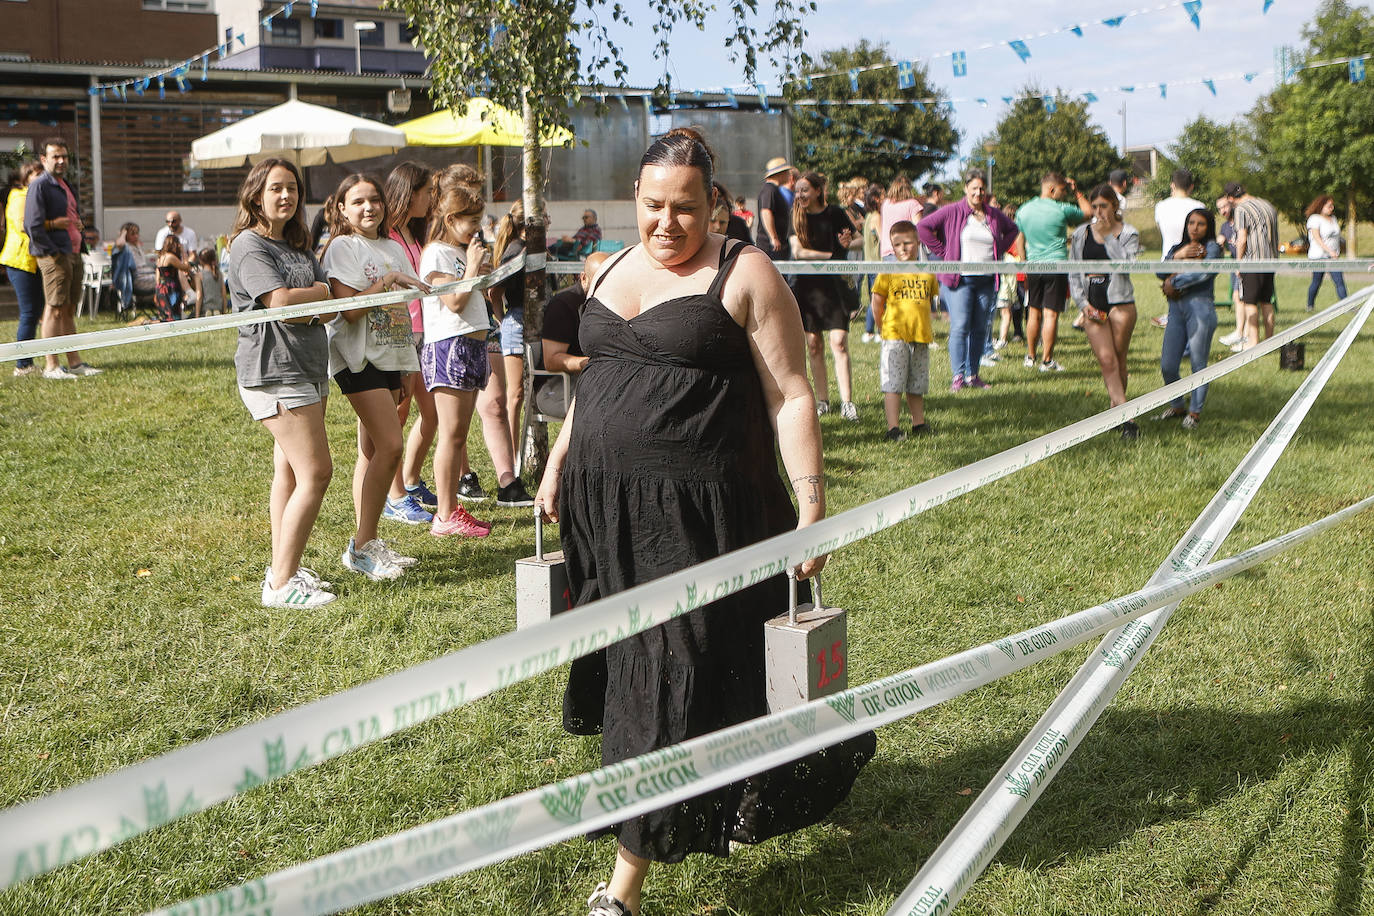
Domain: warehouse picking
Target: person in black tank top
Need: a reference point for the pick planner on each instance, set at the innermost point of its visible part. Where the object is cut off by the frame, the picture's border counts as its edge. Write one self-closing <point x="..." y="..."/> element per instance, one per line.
<point x="668" y="459"/>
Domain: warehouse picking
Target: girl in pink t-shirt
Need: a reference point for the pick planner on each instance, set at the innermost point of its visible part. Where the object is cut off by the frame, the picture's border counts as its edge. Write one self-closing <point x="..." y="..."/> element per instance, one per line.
<point x="900" y="204"/>
<point x="409" y="196"/>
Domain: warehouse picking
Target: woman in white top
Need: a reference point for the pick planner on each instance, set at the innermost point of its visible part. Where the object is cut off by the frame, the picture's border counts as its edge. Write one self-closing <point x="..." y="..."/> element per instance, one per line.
<point x="1323" y="243"/>
<point x="369" y="348"/>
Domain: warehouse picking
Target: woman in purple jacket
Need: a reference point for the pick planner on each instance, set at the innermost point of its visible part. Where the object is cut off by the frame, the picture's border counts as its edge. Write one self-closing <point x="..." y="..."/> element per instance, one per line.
<point x="968" y="230"/>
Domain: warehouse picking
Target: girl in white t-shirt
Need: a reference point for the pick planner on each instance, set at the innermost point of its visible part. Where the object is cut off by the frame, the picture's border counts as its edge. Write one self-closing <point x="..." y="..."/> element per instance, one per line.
<point x="453" y="359"/>
<point x="369" y="348"/>
<point x="1323" y="243"/>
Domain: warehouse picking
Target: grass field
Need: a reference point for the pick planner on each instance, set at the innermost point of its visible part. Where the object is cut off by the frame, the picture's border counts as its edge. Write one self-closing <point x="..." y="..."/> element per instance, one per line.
<point x="1233" y="774"/>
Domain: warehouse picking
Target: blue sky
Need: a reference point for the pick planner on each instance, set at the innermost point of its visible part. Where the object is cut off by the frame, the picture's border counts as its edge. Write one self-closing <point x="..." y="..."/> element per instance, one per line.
<point x="1160" y="45"/>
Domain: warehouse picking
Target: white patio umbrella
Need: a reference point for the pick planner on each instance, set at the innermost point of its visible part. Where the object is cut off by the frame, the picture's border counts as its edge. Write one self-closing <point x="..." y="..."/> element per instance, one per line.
<point x="303" y="133"/>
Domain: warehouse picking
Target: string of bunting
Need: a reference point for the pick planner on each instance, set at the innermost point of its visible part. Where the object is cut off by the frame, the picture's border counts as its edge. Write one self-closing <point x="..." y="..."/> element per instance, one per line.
<point x="906" y="74"/>
<point x="180" y="73"/>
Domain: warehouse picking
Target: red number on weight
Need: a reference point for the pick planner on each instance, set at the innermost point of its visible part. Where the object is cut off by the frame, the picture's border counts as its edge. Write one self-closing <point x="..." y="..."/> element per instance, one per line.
<point x="836" y="659"/>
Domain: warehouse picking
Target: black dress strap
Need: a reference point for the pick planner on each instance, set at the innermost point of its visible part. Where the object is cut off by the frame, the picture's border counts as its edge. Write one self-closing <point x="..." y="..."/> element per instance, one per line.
<point x="601" y="274"/>
<point x="729" y="256"/>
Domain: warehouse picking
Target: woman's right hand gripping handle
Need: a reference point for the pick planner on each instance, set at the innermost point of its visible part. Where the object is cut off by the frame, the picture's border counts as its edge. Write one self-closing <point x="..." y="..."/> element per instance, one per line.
<point x="550" y="486"/>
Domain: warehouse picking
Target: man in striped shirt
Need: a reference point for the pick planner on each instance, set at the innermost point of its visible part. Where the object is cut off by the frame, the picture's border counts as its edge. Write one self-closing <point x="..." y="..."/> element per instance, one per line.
<point x="1257" y="233"/>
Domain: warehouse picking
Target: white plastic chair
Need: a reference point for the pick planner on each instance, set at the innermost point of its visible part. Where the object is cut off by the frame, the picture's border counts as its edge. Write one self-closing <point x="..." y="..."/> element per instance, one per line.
<point x="534" y="372"/>
<point x="95" y="280"/>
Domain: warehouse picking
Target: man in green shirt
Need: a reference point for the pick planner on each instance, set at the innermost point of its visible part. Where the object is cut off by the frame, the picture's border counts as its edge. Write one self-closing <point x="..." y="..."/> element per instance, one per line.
<point x="1044" y="224"/>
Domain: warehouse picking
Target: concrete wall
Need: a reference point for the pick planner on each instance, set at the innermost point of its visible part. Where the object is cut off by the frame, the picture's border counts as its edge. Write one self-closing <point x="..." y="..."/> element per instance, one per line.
<point x="606" y="167"/>
<point x="743" y="142"/>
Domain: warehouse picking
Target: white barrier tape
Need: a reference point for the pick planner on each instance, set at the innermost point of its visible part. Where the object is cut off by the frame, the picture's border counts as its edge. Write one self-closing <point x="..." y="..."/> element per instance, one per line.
<point x="540" y="817"/>
<point x="1220" y="266"/>
<point x="91" y="340"/>
<point x="975" y="839"/>
<point x="57" y="829"/>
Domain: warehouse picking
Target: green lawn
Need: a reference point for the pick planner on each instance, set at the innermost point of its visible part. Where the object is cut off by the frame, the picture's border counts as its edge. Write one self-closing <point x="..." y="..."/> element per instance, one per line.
<point x="1232" y="775"/>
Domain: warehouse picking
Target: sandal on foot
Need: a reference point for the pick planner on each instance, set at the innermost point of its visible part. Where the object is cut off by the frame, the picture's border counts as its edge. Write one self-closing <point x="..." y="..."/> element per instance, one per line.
<point x="601" y="903"/>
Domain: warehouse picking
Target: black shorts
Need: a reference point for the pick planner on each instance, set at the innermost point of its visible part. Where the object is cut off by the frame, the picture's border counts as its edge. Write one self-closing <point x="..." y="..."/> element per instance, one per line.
<point x="821" y="304"/>
<point x="368" y="379"/>
<point x="1047" y="291"/>
<point x="1256" y="288"/>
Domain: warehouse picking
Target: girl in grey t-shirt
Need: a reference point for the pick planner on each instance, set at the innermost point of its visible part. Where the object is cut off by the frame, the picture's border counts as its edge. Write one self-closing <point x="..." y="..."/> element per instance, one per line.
<point x="369" y="350"/>
<point x="282" y="368"/>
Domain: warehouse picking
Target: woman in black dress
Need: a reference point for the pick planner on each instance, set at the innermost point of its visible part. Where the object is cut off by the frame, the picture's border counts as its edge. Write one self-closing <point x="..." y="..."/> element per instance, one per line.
<point x="695" y="374"/>
<point x="822" y="232"/>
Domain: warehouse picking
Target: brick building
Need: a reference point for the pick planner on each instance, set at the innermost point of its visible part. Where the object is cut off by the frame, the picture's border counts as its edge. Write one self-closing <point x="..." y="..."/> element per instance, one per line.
<point x="131" y="155"/>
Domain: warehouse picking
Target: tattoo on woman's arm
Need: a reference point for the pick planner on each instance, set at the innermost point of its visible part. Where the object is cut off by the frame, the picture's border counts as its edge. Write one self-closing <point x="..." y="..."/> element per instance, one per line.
<point x="815" y="480"/>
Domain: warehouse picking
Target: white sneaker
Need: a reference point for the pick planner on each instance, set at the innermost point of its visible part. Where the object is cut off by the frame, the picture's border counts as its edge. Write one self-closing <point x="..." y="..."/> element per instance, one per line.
<point x="84" y="369"/>
<point x="1229" y="340"/>
<point x="398" y="559"/>
<point x="371" y="560"/>
<point x="1028" y="362"/>
<point x="21" y="371"/>
<point x="60" y="373"/>
<point x="298" y="592"/>
<point x="998" y="344"/>
<point x="1050" y="365"/>
<point x="849" y="412"/>
<point x="1237" y="347"/>
<point x="309" y="575"/>
<point x="822" y="408"/>
<point x="989" y="360"/>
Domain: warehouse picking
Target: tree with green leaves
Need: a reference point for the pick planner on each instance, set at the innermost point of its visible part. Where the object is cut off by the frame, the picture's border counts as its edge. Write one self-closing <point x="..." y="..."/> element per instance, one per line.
<point x="1044" y="132"/>
<point x="536" y="56"/>
<point x="1315" y="135"/>
<point x="877" y="141"/>
<point x="1213" y="152"/>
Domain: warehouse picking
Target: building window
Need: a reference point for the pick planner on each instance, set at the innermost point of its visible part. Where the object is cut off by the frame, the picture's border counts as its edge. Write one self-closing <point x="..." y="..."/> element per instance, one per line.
<point x="180" y="6"/>
<point x="374" y="37"/>
<point x="328" y="28"/>
<point x="409" y="35"/>
<point x="286" y="32"/>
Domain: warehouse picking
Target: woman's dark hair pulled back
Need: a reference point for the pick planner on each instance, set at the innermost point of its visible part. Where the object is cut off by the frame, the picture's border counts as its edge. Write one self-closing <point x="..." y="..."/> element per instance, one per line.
<point x="681" y="146"/>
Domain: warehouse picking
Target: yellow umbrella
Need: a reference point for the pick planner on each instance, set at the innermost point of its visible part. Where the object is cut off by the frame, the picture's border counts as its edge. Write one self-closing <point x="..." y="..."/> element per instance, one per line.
<point x="485" y="124"/>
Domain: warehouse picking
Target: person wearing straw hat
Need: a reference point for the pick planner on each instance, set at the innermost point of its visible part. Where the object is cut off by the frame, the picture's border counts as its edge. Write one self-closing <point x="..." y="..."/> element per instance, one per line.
<point x="774" y="209"/>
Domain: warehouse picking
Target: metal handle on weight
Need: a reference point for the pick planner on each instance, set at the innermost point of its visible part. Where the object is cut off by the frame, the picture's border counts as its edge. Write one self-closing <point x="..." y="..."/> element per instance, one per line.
<point x="792" y="595"/>
<point x="538" y="532"/>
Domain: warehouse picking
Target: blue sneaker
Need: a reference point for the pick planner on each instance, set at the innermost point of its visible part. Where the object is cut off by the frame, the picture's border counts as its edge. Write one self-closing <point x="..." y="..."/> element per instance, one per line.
<point x="406" y="509"/>
<point x="372" y="560"/>
<point x="423" y="494"/>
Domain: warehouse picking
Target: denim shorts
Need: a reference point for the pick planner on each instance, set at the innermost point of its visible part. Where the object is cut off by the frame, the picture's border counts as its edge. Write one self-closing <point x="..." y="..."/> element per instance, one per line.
<point x="265" y="401"/>
<point x="513" y="332"/>
<point x="455" y="362"/>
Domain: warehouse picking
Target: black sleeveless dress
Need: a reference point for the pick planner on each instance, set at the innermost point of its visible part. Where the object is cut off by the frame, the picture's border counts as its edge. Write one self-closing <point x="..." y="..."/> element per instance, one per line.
<point x="672" y="462"/>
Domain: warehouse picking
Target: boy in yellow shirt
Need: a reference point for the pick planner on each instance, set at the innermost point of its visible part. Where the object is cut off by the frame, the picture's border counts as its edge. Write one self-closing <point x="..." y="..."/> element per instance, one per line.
<point x="901" y="308"/>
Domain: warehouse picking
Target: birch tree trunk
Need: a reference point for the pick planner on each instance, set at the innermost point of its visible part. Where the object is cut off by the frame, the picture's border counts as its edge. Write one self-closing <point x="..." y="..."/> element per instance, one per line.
<point x="536" y="219"/>
<point x="1350" y="224"/>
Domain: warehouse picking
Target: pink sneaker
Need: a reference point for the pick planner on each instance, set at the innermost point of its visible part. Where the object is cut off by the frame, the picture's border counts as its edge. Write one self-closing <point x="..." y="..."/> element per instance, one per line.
<point x="958" y="384"/>
<point x="976" y="382"/>
<point x="460" y="522"/>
